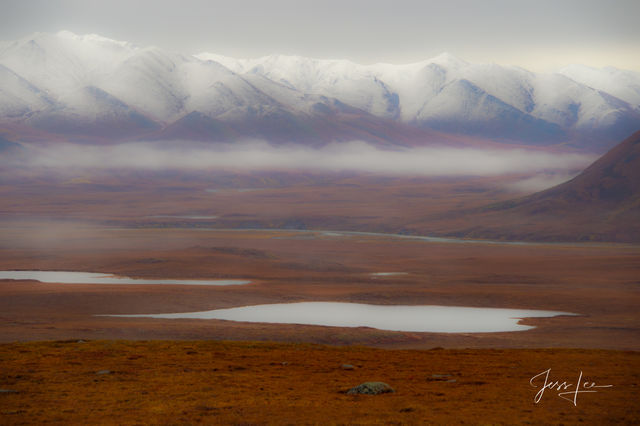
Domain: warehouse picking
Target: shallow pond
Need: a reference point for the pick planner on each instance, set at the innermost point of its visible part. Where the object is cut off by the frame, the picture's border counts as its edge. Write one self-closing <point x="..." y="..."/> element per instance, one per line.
<point x="191" y="217"/>
<point x="65" y="277"/>
<point x="387" y="274"/>
<point x="429" y="318"/>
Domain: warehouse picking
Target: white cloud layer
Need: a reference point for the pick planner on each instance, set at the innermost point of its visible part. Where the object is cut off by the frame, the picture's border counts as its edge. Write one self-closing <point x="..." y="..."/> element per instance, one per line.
<point x="540" y="181"/>
<point x="352" y="156"/>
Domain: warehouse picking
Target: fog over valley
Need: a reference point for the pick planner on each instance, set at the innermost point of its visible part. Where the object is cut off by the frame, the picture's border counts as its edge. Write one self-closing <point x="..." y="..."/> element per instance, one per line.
<point x="355" y="156"/>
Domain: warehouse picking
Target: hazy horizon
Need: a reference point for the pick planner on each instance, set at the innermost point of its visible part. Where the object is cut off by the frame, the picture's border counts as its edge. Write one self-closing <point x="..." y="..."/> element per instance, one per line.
<point x="541" y="37"/>
<point x="203" y="54"/>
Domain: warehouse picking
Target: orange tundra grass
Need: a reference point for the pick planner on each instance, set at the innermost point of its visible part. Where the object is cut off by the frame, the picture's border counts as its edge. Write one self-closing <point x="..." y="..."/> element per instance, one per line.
<point x="177" y="382"/>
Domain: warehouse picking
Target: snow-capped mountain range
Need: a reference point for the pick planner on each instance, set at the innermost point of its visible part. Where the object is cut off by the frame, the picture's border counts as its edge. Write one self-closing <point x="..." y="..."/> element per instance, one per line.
<point x="90" y="87"/>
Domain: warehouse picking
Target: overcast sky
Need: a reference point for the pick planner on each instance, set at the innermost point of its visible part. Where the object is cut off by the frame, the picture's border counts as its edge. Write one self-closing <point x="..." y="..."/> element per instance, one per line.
<point x="540" y="35"/>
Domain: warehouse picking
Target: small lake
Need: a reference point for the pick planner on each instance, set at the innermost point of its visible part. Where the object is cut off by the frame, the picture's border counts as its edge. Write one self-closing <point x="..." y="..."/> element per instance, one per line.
<point x="218" y="190"/>
<point x="64" y="277"/>
<point x="429" y="318"/>
<point x="190" y="217"/>
<point x="387" y="274"/>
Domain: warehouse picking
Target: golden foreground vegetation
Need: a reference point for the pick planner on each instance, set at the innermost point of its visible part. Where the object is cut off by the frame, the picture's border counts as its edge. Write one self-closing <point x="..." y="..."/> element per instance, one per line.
<point x="219" y="382"/>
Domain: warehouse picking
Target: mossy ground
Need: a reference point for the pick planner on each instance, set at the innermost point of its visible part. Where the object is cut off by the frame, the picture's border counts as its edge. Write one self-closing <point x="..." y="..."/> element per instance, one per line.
<point x="214" y="382"/>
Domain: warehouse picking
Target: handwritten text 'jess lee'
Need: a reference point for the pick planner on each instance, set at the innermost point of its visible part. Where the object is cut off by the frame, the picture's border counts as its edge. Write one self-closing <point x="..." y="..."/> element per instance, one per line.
<point x="571" y="390"/>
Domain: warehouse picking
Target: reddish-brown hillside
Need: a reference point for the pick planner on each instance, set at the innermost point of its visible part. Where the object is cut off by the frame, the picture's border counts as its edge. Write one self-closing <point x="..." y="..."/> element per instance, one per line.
<point x="613" y="181"/>
<point x="600" y="204"/>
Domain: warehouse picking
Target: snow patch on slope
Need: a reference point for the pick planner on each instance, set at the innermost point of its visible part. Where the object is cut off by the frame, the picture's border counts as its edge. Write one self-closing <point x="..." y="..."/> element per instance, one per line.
<point x="622" y="84"/>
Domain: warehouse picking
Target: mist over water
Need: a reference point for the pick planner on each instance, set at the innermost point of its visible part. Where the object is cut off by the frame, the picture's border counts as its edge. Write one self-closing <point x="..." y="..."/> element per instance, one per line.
<point x="352" y="156"/>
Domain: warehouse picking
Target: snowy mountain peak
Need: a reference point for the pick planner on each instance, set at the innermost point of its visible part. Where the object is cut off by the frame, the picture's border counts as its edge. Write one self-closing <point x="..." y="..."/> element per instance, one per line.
<point x="623" y="84"/>
<point x="46" y="79"/>
<point x="447" y="59"/>
<point x="92" y="38"/>
<point x="235" y="65"/>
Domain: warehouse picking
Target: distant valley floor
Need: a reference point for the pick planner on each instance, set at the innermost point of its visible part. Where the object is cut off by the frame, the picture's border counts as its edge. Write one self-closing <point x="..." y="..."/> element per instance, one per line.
<point x="598" y="282"/>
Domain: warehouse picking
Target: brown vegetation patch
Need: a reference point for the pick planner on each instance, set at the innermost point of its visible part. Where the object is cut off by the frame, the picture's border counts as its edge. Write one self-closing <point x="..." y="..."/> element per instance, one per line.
<point x="168" y="382"/>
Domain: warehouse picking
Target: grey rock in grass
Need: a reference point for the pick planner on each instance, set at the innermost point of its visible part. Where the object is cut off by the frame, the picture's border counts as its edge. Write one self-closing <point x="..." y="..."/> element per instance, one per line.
<point x="370" y="388"/>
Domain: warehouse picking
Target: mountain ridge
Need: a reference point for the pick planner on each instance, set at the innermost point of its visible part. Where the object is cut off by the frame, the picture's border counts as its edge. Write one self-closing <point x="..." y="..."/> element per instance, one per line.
<point x="45" y="79"/>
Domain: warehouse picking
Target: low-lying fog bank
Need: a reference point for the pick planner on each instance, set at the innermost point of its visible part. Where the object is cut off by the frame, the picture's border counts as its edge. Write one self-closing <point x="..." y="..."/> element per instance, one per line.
<point x="351" y="156"/>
